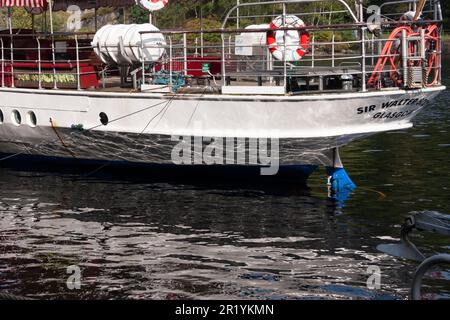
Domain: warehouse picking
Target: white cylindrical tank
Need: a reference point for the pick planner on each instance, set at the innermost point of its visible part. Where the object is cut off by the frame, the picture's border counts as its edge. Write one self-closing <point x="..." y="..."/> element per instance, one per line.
<point x="121" y="44"/>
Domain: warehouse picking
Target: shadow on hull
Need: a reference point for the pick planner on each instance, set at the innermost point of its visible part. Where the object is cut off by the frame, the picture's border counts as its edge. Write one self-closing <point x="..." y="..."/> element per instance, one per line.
<point x="290" y="179"/>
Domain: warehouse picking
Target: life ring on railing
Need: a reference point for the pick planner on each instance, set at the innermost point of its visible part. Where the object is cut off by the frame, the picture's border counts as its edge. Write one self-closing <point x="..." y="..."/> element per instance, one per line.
<point x="152" y="5"/>
<point x="292" y="44"/>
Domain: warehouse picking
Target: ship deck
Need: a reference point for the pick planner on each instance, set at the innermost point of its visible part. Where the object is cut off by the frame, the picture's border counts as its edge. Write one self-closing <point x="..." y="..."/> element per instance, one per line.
<point x="309" y="81"/>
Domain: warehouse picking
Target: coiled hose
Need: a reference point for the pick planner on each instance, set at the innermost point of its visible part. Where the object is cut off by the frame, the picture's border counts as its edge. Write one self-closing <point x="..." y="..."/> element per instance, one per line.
<point x="390" y="53"/>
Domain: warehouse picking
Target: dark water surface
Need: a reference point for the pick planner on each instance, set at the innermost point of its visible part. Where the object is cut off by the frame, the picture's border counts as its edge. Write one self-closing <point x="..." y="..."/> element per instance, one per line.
<point x="166" y="239"/>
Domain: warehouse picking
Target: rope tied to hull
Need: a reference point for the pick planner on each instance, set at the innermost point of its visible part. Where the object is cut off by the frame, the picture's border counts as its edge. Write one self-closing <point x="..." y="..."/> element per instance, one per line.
<point x="165" y="104"/>
<point x="61" y="139"/>
<point x="87" y="130"/>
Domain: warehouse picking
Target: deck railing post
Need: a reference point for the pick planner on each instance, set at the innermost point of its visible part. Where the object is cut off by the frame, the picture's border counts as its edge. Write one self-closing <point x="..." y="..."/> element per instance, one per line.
<point x="439" y="11"/>
<point x="78" y="63"/>
<point x="285" y="51"/>
<point x="55" y="86"/>
<point x="11" y="54"/>
<point x="170" y="61"/>
<point x="224" y="60"/>
<point x="185" y="61"/>
<point x="422" y="54"/>
<point x="333" y="50"/>
<point x="439" y="53"/>
<point x="39" y="63"/>
<point x="202" y="43"/>
<point x="372" y="47"/>
<point x="142" y="58"/>
<point x="435" y="11"/>
<point x="363" y="60"/>
<point x="405" y="58"/>
<point x="361" y="11"/>
<point x="3" y="62"/>
<point x="196" y="47"/>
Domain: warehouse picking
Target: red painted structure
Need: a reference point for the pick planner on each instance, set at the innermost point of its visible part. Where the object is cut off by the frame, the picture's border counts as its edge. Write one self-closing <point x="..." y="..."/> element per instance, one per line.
<point x="25" y="75"/>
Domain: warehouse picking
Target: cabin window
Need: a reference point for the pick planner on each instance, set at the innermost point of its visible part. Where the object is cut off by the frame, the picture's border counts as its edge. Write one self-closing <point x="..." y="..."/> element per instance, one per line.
<point x="16" y="118"/>
<point x="31" y="119"/>
<point x="103" y="118"/>
<point x="1" y="117"/>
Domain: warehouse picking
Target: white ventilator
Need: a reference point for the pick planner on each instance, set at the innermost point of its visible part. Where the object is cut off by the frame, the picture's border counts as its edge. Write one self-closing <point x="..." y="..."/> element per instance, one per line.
<point x="152" y="5"/>
<point x="121" y="44"/>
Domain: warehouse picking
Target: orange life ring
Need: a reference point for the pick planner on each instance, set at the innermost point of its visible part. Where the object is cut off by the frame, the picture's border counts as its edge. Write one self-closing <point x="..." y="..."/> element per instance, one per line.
<point x="276" y="39"/>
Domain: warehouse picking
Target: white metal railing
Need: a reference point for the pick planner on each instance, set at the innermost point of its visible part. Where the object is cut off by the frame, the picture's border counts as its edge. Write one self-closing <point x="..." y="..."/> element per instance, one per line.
<point x="182" y="57"/>
<point x="40" y="62"/>
<point x="216" y="60"/>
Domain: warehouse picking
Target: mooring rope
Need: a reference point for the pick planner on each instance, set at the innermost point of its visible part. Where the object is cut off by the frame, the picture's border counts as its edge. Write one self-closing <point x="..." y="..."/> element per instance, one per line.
<point x="195" y="110"/>
<point x="381" y="194"/>
<point x="90" y="129"/>
<point x="162" y="111"/>
<point x="61" y="139"/>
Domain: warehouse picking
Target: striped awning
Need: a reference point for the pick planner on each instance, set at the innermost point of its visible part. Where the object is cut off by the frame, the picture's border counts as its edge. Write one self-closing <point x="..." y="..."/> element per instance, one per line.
<point x="23" y="3"/>
<point x="64" y="4"/>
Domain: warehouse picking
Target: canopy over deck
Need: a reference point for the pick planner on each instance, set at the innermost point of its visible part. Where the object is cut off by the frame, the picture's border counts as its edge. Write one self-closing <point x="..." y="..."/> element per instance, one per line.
<point x="24" y="3"/>
<point x="90" y="4"/>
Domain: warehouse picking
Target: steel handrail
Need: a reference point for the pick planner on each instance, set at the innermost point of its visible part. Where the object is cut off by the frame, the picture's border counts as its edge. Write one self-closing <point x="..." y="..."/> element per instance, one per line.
<point x="284" y="2"/>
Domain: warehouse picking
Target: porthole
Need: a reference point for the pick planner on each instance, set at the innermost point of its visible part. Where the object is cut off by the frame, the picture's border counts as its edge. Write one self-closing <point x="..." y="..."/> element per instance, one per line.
<point x="31" y="119"/>
<point x="103" y="118"/>
<point x="1" y="117"/>
<point x="16" y="118"/>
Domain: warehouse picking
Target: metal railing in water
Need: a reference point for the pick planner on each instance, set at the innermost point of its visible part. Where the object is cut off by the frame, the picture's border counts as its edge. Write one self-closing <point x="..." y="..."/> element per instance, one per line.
<point x="341" y="56"/>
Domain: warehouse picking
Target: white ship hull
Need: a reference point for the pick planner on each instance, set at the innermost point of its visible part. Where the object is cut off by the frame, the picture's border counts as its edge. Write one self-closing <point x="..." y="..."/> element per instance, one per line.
<point x="142" y="125"/>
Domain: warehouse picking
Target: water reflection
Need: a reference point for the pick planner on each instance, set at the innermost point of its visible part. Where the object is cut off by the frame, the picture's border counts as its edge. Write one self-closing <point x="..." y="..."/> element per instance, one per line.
<point x="174" y="242"/>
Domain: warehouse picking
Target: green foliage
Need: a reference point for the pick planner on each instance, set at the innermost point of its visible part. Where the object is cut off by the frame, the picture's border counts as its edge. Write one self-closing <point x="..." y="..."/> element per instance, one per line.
<point x="180" y="13"/>
<point x="208" y="24"/>
<point x="138" y="15"/>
